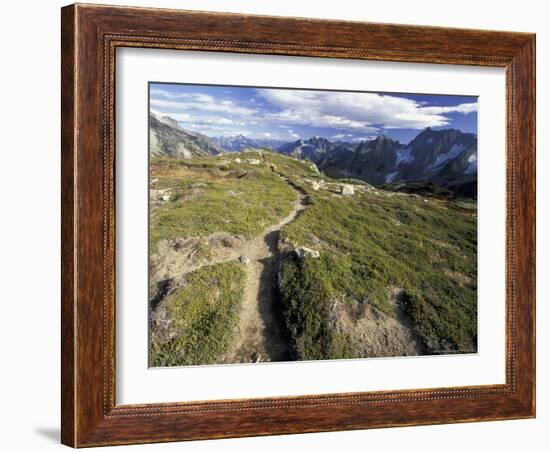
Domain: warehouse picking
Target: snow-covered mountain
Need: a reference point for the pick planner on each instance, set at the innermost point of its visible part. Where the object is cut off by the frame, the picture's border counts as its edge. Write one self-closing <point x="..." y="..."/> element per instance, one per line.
<point x="446" y="158"/>
<point x="235" y="143"/>
<point x="312" y="149"/>
<point x="315" y="149"/>
<point x="239" y="142"/>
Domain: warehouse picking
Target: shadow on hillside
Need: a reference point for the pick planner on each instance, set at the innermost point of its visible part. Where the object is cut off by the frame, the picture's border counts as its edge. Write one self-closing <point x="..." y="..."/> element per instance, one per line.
<point x="276" y="339"/>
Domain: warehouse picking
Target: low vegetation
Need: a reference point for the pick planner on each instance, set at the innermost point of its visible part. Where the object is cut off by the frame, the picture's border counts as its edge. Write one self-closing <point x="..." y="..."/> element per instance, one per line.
<point x="197" y="322"/>
<point x="207" y="195"/>
<point x="370" y="243"/>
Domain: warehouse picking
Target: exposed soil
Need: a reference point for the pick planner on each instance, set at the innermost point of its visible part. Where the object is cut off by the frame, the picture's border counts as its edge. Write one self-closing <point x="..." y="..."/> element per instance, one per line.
<point x="374" y="333"/>
<point x="260" y="336"/>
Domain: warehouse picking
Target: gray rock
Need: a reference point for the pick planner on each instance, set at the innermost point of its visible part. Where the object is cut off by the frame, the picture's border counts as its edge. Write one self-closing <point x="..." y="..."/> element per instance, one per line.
<point x="304" y="253"/>
<point x="244" y="259"/>
<point x="161" y="195"/>
<point x="348" y="189"/>
<point x="314" y="167"/>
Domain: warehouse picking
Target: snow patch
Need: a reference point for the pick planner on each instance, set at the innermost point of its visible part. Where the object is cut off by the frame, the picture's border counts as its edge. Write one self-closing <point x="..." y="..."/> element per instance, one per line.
<point x="450" y="154"/>
<point x="472" y="164"/>
<point x="390" y="177"/>
<point x="404" y="155"/>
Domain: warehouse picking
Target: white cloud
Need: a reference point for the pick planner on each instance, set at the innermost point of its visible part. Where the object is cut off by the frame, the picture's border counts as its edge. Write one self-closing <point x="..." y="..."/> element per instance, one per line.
<point x="227" y="107"/>
<point x="461" y="108"/>
<point x="233" y="133"/>
<point x="188" y="119"/>
<point x="209" y="120"/>
<point x="361" y="138"/>
<point x="175" y="102"/>
<point x="367" y="112"/>
<point x="340" y="136"/>
<point x="355" y="116"/>
<point x="196" y="97"/>
<point x="351" y="138"/>
<point x="156" y="112"/>
<point x="292" y="133"/>
<point x="180" y="117"/>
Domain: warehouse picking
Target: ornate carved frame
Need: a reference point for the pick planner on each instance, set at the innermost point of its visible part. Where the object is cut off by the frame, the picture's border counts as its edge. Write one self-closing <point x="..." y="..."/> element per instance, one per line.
<point x="90" y="36"/>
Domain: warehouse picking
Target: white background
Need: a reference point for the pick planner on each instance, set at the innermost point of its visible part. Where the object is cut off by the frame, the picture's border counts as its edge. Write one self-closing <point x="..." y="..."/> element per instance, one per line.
<point x="30" y="226"/>
<point x="138" y="384"/>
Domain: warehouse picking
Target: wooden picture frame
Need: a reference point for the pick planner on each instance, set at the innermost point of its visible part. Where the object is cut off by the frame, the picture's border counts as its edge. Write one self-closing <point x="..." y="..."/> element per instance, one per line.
<point x="90" y="36"/>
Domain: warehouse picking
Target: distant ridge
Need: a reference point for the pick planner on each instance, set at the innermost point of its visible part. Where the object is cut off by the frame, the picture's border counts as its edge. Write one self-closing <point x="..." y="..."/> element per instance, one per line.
<point x="168" y="139"/>
<point x="240" y="142"/>
<point x="447" y="158"/>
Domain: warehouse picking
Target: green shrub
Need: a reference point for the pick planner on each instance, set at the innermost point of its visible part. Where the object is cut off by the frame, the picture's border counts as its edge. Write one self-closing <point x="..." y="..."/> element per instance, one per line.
<point x="203" y="317"/>
<point x="305" y="299"/>
<point x="241" y="200"/>
<point x="372" y="242"/>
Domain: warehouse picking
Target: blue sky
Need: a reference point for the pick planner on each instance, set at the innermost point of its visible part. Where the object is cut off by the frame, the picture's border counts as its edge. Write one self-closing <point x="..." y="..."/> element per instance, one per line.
<point x="291" y="114"/>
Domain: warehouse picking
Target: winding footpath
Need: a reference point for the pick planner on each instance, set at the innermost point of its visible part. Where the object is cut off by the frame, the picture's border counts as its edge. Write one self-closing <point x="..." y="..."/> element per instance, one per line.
<point x="260" y="337"/>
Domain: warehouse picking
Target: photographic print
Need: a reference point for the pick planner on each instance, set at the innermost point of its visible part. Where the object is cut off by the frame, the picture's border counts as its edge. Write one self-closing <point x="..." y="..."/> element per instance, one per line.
<point x="297" y="224"/>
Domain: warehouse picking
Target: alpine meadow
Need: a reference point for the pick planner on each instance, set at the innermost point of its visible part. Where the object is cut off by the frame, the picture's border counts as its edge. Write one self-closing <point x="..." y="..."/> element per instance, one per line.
<point x="294" y="224"/>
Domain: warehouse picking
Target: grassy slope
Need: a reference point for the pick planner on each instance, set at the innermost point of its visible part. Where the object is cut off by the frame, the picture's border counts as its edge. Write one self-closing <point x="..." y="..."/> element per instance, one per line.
<point x="209" y="196"/>
<point x="205" y="315"/>
<point x="369" y="243"/>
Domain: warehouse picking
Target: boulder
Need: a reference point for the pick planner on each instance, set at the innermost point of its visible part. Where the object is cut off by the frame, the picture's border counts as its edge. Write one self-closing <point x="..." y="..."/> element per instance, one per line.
<point x="348" y="189"/>
<point x="244" y="259"/>
<point x="253" y="161"/>
<point x="315" y="186"/>
<point x="304" y="253"/>
<point x="314" y="167"/>
<point x="160" y="195"/>
<point x="237" y="160"/>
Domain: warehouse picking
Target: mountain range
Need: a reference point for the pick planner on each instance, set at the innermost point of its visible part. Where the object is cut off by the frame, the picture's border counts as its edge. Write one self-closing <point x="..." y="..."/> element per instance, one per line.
<point x="446" y="158"/>
<point x="240" y="142"/>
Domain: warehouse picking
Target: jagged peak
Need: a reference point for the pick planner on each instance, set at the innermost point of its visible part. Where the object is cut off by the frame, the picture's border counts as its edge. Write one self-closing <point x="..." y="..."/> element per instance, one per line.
<point x="428" y="133"/>
<point x="382" y="138"/>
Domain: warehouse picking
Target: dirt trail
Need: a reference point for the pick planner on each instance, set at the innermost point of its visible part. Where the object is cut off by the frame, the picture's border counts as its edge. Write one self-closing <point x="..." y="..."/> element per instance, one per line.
<point x="260" y="337"/>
